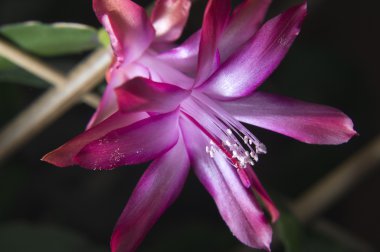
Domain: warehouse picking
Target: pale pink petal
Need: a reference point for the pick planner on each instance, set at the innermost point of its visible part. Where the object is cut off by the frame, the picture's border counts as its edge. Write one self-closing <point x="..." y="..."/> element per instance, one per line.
<point x="140" y="94"/>
<point x="245" y="21"/>
<point x="236" y="203"/>
<point x="157" y="189"/>
<point x="169" y="18"/>
<point x="164" y="72"/>
<point x="185" y="56"/>
<point x="63" y="156"/>
<point x="306" y="122"/>
<point x="108" y="103"/>
<point x="129" y="28"/>
<point x="247" y="68"/>
<point x="137" y="143"/>
<point x="214" y="21"/>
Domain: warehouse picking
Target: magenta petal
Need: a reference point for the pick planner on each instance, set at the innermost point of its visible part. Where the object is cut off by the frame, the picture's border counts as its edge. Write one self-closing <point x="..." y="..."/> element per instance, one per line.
<point x="247" y="68"/>
<point x="108" y="103"/>
<point x="236" y="204"/>
<point x="140" y="94"/>
<point x="244" y="23"/>
<point x="156" y="191"/>
<point x="214" y="21"/>
<point x="263" y="195"/>
<point x="64" y="155"/>
<point x="169" y="17"/>
<point x="128" y="26"/>
<point x="306" y="122"/>
<point x="140" y="142"/>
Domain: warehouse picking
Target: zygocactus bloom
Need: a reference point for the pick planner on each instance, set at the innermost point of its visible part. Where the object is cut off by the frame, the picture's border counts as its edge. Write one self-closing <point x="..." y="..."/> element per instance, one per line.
<point x="136" y="41"/>
<point x="197" y="123"/>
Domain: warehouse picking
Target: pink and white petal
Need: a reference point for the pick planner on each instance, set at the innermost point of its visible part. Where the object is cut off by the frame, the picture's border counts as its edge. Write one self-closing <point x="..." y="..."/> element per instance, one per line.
<point x="248" y="67"/>
<point x="169" y="18"/>
<point x="108" y="103"/>
<point x="130" y="30"/>
<point x="306" y="122"/>
<point x="137" y="143"/>
<point x="236" y="203"/>
<point x="156" y="191"/>
<point x="185" y="56"/>
<point x="64" y="155"/>
<point x="164" y="72"/>
<point x="245" y="21"/>
<point x="140" y="94"/>
<point x="214" y="21"/>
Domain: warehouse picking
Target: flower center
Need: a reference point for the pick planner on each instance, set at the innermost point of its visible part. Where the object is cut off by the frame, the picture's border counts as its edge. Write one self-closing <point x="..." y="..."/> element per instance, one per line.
<point x="227" y="136"/>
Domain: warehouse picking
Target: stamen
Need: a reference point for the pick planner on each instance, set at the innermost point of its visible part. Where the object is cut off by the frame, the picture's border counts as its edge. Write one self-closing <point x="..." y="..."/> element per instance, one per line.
<point x="227" y="136"/>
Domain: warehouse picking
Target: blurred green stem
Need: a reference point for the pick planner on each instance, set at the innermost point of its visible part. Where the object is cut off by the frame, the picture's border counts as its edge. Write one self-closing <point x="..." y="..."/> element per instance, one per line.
<point x="40" y="69"/>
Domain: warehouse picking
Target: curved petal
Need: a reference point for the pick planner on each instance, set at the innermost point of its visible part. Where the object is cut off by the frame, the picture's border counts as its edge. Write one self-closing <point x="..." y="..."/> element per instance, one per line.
<point x="157" y="189"/>
<point x="64" y="155"/>
<point x="140" y="94"/>
<point x="129" y="28"/>
<point x="236" y="204"/>
<point x="137" y="143"/>
<point x="246" y="69"/>
<point x="169" y="18"/>
<point x="245" y="21"/>
<point x="108" y="103"/>
<point x="306" y="122"/>
<point x="214" y="21"/>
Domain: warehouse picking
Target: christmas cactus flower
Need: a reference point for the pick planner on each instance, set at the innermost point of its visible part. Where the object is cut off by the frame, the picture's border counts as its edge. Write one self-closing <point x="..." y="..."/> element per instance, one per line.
<point x="197" y="123"/>
<point x="137" y="41"/>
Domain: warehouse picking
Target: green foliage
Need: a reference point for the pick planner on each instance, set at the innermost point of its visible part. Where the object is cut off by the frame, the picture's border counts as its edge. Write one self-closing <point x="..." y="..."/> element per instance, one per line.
<point x="104" y="38"/>
<point x="52" y="39"/>
<point x="14" y="74"/>
<point x="46" y="40"/>
<point x="290" y="233"/>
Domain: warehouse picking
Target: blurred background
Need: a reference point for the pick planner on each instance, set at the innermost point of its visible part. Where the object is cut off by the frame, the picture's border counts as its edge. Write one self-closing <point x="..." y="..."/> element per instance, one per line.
<point x="334" y="61"/>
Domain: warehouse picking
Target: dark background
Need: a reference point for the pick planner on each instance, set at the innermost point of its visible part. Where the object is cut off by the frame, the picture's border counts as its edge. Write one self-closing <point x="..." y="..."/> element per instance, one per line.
<point x="334" y="61"/>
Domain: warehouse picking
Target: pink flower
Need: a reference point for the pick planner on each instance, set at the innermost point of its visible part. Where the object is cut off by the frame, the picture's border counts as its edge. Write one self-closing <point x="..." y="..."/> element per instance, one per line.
<point x="137" y="41"/>
<point x="176" y="124"/>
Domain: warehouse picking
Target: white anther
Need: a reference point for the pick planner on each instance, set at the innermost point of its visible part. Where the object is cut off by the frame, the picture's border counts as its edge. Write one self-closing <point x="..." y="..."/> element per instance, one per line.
<point x="246" y="139"/>
<point x="228" y="143"/>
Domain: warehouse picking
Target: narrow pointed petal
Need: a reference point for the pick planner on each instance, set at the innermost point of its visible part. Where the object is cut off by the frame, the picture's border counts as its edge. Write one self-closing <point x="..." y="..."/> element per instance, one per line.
<point x="169" y="18"/>
<point x="306" y="122"/>
<point x="263" y="195"/>
<point x="244" y="23"/>
<point x="129" y="28"/>
<point x="214" y="21"/>
<point x="248" y="68"/>
<point x="236" y="204"/>
<point x="137" y="143"/>
<point x="64" y="155"/>
<point x="156" y="191"/>
<point x="140" y="94"/>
